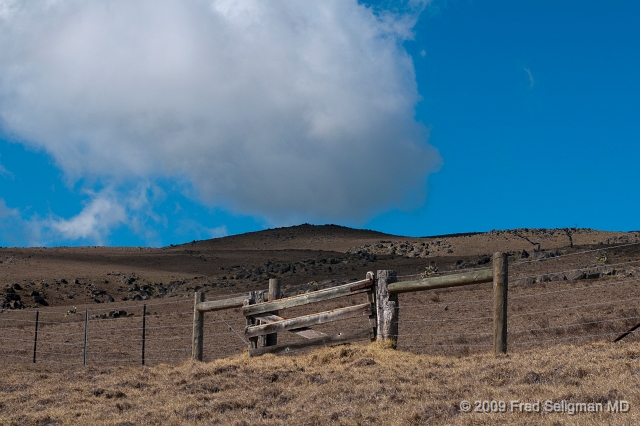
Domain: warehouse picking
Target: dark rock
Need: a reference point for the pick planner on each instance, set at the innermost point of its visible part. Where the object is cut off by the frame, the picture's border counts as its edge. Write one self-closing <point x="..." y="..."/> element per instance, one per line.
<point x="11" y="296"/>
<point x="599" y="272"/>
<point x="557" y="277"/>
<point x="524" y="255"/>
<point x="543" y="278"/>
<point x="16" y="304"/>
<point x="17" y="286"/>
<point x="484" y="259"/>
<point x="578" y="274"/>
<point x="63" y="281"/>
<point x="34" y="293"/>
<point x="109" y="298"/>
<point x="40" y="300"/>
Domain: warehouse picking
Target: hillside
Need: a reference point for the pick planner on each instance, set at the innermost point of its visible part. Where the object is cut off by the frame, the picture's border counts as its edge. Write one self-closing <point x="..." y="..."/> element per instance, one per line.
<point x="70" y="276"/>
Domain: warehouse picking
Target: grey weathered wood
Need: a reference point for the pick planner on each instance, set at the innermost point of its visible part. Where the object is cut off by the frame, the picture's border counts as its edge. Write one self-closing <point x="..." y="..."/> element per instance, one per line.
<point x="303" y="299"/>
<point x="305" y="332"/>
<point x="500" y="289"/>
<point x="253" y="342"/>
<point x="198" y="328"/>
<point x="454" y="280"/>
<point x="35" y="337"/>
<point x="262" y="340"/>
<point x="386" y="308"/>
<point x="308" y="320"/>
<point x="274" y="294"/>
<point x="371" y="297"/>
<point x="219" y="305"/>
<point x="308" y="333"/>
<point x="321" y="341"/>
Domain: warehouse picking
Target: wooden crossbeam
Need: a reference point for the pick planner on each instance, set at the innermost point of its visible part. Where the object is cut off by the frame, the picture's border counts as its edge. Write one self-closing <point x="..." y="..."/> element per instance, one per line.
<point x="307" y="320"/>
<point x="312" y="297"/>
<point x="305" y="332"/>
<point x="321" y="341"/>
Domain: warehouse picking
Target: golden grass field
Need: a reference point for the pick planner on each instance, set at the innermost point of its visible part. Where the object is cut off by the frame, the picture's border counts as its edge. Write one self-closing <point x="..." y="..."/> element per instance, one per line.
<point x="345" y="385"/>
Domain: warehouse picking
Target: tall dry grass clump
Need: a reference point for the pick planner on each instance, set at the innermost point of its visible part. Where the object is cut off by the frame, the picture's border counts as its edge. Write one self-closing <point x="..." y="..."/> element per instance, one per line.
<point x="346" y="385"/>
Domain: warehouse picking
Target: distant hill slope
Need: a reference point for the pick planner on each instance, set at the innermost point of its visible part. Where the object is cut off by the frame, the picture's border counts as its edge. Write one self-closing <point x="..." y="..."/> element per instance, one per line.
<point x="300" y="237"/>
<point x="343" y="239"/>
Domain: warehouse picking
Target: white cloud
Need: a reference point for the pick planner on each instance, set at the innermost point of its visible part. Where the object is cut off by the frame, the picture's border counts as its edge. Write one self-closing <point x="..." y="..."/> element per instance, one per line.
<point x="291" y="110"/>
<point x="6" y="173"/>
<point x="103" y="212"/>
<point x="94" y="221"/>
<point x="531" y="79"/>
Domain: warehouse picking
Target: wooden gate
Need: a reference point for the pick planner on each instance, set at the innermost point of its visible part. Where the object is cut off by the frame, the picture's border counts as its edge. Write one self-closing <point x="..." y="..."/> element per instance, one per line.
<point x="263" y="319"/>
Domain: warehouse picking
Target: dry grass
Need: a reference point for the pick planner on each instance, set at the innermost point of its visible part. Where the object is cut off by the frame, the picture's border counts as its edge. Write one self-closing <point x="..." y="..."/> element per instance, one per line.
<point x="342" y="385"/>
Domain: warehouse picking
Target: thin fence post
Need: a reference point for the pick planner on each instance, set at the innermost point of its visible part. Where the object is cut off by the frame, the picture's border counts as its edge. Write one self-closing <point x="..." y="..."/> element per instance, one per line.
<point x="262" y="340"/>
<point x="198" y="328"/>
<point x="86" y="329"/>
<point x="387" y="309"/>
<point x="35" y="337"/>
<point x="500" y="290"/>
<point x="274" y="294"/>
<point x="253" y="341"/>
<point x="144" y="329"/>
<point x="371" y="297"/>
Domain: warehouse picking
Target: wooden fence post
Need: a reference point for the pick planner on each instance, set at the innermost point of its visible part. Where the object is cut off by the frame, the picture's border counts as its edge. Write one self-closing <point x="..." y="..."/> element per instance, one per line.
<point x="198" y="328"/>
<point x="35" y="337"/>
<point x="274" y="294"/>
<point x="500" y="289"/>
<point x="387" y="308"/>
<point x="262" y="340"/>
<point x="144" y="329"/>
<point x="86" y="331"/>
<point x="253" y="341"/>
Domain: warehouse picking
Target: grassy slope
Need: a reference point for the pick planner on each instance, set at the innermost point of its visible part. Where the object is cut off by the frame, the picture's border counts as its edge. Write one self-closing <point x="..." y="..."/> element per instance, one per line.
<point x="341" y="385"/>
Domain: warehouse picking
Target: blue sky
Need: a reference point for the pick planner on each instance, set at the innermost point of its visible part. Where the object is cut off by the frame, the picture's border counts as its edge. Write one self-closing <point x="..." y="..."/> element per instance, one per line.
<point x="153" y="123"/>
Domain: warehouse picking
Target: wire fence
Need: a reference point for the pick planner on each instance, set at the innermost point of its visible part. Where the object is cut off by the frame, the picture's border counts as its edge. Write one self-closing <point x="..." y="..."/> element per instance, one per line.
<point x="459" y="320"/>
<point x="452" y="321"/>
<point x="121" y="336"/>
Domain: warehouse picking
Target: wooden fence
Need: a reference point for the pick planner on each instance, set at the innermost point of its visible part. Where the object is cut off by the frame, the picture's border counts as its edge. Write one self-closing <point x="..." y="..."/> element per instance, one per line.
<point x="263" y="322"/>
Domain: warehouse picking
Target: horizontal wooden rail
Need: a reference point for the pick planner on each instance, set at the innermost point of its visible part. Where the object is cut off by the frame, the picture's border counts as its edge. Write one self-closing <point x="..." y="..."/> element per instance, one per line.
<point x="320" y="341"/>
<point x="305" y="332"/>
<point x="315" y="296"/>
<point x="308" y="320"/>
<point x="482" y="276"/>
<point x="219" y="305"/>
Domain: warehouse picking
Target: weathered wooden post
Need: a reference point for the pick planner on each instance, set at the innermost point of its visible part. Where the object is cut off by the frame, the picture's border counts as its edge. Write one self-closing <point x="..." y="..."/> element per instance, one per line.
<point x="262" y="340"/>
<point x="274" y="294"/>
<point x="144" y="329"/>
<point x="253" y="341"/>
<point x="500" y="289"/>
<point x="198" y="328"/>
<point x="387" y="308"/>
<point x="35" y="337"/>
<point x="86" y="331"/>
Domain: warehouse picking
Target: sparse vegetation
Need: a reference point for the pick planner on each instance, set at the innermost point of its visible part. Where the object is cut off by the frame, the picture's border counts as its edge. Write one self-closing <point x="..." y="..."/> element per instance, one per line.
<point x="347" y="385"/>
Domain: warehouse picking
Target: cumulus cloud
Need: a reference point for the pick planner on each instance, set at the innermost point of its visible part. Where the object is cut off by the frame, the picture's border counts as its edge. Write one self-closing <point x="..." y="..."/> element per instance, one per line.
<point x="290" y="110"/>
